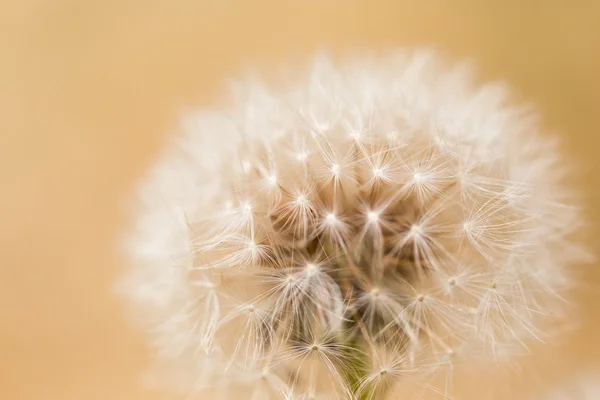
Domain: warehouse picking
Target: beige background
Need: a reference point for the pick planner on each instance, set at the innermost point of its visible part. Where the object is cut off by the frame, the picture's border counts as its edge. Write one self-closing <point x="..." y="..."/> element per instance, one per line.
<point x="89" y="88"/>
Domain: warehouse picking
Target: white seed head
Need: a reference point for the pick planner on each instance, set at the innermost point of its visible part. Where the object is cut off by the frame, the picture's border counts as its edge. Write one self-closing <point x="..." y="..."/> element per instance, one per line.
<point x="426" y="214"/>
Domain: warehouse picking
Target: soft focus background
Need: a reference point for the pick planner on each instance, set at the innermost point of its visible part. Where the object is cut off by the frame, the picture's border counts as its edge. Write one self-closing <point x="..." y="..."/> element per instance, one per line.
<point x="89" y="90"/>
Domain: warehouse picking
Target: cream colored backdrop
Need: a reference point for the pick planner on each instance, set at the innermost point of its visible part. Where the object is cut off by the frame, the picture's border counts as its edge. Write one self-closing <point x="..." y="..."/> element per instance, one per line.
<point x="88" y="90"/>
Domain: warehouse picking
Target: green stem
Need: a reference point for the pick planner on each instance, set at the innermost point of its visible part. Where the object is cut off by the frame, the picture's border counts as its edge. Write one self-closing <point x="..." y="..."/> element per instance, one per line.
<point x="356" y="371"/>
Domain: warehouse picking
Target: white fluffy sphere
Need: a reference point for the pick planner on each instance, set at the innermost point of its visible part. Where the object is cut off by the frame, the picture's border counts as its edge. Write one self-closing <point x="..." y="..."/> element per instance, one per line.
<point x="379" y="218"/>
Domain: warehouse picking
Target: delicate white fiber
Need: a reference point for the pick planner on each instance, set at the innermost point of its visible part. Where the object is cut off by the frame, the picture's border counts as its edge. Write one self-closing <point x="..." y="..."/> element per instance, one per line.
<point x="378" y="219"/>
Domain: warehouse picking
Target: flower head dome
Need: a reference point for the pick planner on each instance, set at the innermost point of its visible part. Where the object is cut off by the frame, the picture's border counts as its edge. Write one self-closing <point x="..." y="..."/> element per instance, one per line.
<point x="380" y="218"/>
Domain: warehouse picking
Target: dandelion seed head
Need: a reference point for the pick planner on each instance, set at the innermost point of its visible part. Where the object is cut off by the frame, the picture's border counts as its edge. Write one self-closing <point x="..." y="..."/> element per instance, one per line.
<point x="282" y="234"/>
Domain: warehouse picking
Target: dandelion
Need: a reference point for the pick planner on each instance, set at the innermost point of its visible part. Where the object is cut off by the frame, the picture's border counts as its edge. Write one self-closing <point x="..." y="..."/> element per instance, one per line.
<point x="380" y="219"/>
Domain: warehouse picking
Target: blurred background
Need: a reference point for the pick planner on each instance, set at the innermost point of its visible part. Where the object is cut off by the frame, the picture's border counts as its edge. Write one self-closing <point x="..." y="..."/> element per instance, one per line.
<point x="90" y="89"/>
